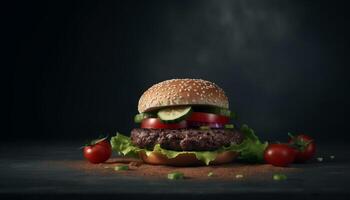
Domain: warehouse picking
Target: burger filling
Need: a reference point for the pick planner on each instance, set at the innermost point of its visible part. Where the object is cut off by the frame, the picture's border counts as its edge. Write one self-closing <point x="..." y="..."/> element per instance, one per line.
<point x="185" y="139"/>
<point x="202" y="130"/>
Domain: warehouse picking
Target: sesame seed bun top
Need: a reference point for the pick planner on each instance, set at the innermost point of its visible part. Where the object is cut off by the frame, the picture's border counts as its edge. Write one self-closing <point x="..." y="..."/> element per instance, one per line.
<point x="177" y="92"/>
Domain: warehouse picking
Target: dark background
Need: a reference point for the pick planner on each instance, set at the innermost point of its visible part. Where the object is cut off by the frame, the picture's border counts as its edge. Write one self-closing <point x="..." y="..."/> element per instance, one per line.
<point x="79" y="68"/>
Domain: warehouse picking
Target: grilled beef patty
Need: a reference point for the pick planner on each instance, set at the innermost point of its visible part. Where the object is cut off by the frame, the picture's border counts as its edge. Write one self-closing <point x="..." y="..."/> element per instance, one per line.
<point x="185" y="139"/>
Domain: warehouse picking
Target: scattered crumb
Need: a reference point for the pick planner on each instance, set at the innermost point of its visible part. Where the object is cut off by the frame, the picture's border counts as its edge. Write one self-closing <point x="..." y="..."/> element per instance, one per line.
<point x="238" y="176"/>
<point x="135" y="164"/>
<point x="219" y="172"/>
<point x="320" y="159"/>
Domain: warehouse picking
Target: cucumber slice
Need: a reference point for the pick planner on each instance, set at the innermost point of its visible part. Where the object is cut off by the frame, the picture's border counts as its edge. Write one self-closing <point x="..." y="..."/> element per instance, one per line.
<point x="214" y="110"/>
<point x="141" y="116"/>
<point x="174" y="114"/>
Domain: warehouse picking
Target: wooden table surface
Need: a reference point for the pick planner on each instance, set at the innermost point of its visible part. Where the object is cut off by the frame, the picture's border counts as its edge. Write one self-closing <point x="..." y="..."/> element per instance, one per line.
<point x="31" y="170"/>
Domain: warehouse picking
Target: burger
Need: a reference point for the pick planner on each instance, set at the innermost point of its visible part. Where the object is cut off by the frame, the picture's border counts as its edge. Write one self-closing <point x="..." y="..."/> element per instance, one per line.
<point x="186" y="122"/>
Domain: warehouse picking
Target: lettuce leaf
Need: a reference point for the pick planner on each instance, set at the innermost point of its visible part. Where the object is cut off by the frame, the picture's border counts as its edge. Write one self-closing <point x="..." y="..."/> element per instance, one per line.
<point x="251" y="149"/>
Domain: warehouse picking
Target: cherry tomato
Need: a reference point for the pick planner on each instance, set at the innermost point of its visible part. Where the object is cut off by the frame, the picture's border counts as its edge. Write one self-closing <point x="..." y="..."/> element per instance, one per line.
<point x="305" y="146"/>
<point x="280" y="155"/>
<point x="208" y="118"/>
<point x="98" y="151"/>
<point x="155" y="123"/>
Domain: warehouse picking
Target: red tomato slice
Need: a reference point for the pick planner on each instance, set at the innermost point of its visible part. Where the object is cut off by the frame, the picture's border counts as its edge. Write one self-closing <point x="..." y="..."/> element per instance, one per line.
<point x="155" y="123"/>
<point x="208" y="118"/>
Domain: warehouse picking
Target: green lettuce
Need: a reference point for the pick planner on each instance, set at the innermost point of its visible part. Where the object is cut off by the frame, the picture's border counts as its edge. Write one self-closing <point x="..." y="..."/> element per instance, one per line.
<point x="251" y="149"/>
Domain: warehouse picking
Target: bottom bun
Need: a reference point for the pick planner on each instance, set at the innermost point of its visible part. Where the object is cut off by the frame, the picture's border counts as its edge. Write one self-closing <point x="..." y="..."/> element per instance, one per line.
<point x="186" y="159"/>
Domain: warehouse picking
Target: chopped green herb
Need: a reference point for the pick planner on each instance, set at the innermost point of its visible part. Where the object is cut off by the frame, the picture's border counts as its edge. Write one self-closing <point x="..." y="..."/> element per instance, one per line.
<point x="279" y="177"/>
<point x="175" y="176"/>
<point x="239" y="176"/>
<point x="320" y="159"/>
<point x="121" y="167"/>
<point x="229" y="126"/>
<point x="204" y="127"/>
<point x="210" y="174"/>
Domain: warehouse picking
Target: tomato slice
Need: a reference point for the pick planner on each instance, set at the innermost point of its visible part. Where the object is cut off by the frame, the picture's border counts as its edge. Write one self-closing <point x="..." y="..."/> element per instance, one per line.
<point x="195" y="118"/>
<point x="155" y="123"/>
<point x="208" y="118"/>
